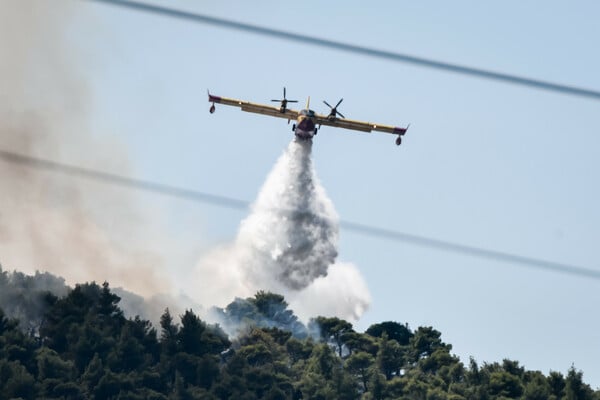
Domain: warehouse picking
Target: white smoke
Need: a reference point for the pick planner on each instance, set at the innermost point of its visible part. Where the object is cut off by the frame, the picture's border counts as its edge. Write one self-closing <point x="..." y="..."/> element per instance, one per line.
<point x="287" y="245"/>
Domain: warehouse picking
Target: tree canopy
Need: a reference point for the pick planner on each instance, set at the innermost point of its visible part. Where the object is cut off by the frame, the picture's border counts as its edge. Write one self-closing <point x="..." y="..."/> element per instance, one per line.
<point x="86" y="349"/>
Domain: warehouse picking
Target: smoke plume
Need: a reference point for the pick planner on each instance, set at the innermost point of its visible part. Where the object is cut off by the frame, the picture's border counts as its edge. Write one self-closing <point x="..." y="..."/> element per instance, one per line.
<point x="86" y="231"/>
<point x="287" y="245"/>
<point x="76" y="229"/>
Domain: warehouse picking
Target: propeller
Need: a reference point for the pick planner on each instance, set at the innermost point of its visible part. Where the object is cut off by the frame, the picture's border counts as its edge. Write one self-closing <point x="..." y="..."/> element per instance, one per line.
<point x="334" y="112"/>
<point x="284" y="101"/>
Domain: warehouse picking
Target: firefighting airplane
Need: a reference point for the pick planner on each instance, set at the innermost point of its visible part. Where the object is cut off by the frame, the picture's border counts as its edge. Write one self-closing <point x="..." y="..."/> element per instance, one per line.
<point x="306" y="119"/>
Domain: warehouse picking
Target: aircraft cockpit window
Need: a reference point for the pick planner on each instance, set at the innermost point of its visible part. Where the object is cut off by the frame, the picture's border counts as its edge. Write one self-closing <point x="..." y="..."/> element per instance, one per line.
<point x="309" y="113"/>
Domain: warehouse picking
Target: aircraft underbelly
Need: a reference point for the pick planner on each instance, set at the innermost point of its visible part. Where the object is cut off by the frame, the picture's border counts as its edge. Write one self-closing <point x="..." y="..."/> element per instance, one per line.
<point x="305" y="128"/>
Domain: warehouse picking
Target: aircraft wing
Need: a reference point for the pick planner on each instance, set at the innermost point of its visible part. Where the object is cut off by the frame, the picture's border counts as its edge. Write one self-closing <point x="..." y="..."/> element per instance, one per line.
<point x="255" y="107"/>
<point x="358" y="125"/>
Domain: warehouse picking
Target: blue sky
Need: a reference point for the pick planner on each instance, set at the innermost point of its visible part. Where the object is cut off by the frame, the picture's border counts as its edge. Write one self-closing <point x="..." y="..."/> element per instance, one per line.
<point x="485" y="164"/>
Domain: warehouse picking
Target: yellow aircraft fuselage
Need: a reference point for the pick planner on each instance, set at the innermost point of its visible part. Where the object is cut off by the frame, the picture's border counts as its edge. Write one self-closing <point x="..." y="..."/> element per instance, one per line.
<point x="307" y="121"/>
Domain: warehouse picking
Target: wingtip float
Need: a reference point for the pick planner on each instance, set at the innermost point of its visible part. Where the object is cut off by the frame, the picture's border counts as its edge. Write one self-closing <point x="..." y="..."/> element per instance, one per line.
<point x="307" y="122"/>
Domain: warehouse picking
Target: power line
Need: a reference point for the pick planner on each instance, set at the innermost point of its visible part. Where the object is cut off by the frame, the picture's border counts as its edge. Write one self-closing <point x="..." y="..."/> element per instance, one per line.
<point x="471" y="250"/>
<point x="194" y="195"/>
<point x="232" y="203"/>
<point x="362" y="50"/>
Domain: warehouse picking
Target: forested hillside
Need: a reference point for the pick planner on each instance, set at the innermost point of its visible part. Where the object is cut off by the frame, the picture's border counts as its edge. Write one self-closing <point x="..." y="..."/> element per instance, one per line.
<point x="84" y="348"/>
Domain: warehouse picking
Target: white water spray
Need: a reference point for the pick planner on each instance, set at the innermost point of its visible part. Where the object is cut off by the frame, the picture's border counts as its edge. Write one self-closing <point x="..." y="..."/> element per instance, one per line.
<point x="288" y="245"/>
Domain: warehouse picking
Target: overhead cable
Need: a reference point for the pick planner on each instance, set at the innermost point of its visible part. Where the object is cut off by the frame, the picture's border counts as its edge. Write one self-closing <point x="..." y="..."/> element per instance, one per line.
<point x="351" y="48"/>
<point x="233" y="203"/>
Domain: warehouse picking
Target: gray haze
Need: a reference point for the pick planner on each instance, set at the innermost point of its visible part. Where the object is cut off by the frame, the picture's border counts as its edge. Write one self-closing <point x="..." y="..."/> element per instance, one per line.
<point x="49" y="222"/>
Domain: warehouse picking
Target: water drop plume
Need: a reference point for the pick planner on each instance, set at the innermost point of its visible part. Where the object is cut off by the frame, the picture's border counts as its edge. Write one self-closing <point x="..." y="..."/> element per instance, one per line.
<point x="288" y="245"/>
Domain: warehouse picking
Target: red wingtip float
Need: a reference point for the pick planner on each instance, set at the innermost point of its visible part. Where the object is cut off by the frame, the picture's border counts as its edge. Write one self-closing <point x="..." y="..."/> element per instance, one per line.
<point x="307" y="121"/>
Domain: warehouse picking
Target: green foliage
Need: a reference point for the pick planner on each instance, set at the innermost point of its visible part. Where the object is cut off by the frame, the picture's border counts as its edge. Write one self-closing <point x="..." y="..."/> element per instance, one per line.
<point x="27" y="298"/>
<point x="50" y="365"/>
<point x="395" y="331"/>
<point x="332" y="330"/>
<point x="87" y="349"/>
<point x="264" y="310"/>
<point x="16" y="381"/>
<point x="360" y="365"/>
<point x="536" y="386"/>
<point x="424" y="342"/>
<point x="504" y="384"/>
<point x="556" y="381"/>
<point x="575" y="388"/>
<point x="390" y="357"/>
<point x="355" y="341"/>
